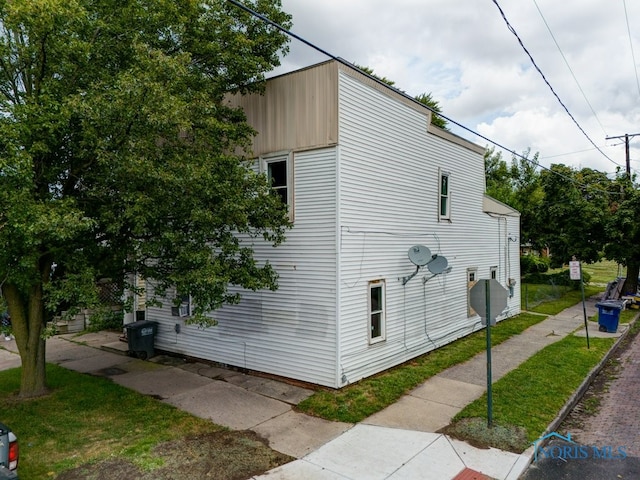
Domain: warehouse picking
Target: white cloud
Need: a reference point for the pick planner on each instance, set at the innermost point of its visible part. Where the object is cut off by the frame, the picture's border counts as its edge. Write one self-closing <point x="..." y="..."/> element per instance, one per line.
<point x="464" y="54"/>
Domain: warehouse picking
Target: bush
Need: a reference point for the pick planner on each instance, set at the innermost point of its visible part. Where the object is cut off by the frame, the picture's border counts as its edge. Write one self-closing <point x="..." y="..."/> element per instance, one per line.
<point x="533" y="264"/>
<point x="106" y="320"/>
<point x="559" y="278"/>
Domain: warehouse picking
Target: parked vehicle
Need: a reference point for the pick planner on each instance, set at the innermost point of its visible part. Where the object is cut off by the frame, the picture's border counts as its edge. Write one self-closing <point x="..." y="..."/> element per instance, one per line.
<point x="8" y="454"/>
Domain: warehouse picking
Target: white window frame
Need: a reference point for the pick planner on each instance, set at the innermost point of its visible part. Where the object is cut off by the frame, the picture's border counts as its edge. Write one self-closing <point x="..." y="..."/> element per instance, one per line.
<point x="472" y="279"/>
<point x="493" y="272"/>
<point x="281" y="157"/>
<point x="380" y="311"/>
<point x="446" y="196"/>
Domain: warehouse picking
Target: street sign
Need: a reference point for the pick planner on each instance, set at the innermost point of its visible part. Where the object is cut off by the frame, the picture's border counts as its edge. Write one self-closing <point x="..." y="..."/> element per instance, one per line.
<point x="574" y="270"/>
<point x="497" y="299"/>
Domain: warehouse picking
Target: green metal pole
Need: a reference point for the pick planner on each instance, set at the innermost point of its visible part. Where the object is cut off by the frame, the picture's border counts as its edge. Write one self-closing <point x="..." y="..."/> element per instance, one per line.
<point x="489" y="382"/>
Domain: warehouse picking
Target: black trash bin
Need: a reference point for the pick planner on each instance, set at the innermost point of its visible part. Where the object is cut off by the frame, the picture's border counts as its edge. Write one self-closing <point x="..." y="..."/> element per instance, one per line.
<point x="141" y="336"/>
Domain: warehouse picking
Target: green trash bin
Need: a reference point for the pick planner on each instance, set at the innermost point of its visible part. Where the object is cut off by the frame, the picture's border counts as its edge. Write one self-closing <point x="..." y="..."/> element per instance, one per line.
<point x="141" y="337"/>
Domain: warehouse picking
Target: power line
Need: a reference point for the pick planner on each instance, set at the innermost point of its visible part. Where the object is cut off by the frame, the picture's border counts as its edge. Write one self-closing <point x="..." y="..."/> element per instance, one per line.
<point x="400" y="92"/>
<point x="633" y="57"/>
<point x="568" y="66"/>
<point x="512" y="30"/>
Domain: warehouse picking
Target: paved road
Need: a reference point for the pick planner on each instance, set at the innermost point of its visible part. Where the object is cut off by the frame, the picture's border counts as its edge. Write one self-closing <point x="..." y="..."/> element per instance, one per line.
<point x="604" y="445"/>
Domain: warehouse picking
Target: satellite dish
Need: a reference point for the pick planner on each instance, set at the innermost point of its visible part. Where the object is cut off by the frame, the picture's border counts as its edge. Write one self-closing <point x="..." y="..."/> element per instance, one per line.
<point x="438" y="265"/>
<point x="419" y="255"/>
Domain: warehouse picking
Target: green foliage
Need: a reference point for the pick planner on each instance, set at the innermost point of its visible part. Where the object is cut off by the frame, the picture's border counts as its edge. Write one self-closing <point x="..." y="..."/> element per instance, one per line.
<point x="119" y="154"/>
<point x="623" y="231"/>
<point x="556" y="278"/>
<point x="531" y="396"/>
<point x="106" y="319"/>
<point x="552" y="299"/>
<point x="428" y="100"/>
<point x="356" y="402"/>
<point x="517" y="185"/>
<point x="574" y="214"/>
<point x="534" y="264"/>
<point x="424" y="98"/>
<point x="87" y="418"/>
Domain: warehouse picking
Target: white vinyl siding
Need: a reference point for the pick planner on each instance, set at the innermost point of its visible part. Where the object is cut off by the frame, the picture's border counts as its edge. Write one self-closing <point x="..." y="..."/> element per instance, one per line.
<point x="444" y="197"/>
<point x="382" y="216"/>
<point x="376" y="311"/>
<point x="290" y="332"/>
<point x="365" y="168"/>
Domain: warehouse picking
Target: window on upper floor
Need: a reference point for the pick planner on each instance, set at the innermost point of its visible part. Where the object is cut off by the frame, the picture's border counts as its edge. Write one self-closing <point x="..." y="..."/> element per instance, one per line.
<point x="444" y="196"/>
<point x="279" y="172"/>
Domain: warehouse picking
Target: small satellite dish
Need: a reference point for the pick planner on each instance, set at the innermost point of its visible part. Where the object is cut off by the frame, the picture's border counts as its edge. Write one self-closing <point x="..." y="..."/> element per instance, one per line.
<point x="419" y="255"/>
<point x="438" y="265"/>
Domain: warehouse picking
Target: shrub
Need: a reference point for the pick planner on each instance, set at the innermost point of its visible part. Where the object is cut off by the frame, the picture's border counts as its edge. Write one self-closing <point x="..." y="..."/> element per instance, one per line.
<point x="106" y="320"/>
<point x="533" y="263"/>
<point x="559" y="278"/>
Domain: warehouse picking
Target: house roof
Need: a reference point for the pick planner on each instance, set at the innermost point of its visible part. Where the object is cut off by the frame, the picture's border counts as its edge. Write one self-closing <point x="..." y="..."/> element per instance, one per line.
<point x="491" y="205"/>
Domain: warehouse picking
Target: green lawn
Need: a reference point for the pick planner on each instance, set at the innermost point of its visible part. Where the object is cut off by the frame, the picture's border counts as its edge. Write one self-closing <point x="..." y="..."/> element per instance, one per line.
<point x="604" y="271"/>
<point x="87" y="419"/>
<point x="356" y="402"/>
<point x="532" y="395"/>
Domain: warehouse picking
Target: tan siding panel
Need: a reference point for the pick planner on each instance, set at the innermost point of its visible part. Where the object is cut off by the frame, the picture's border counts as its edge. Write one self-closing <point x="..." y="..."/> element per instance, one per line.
<point x="297" y="111"/>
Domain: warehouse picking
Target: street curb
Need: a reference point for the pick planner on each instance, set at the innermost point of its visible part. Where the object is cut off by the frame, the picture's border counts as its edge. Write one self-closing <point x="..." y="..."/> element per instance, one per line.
<point x="579" y="393"/>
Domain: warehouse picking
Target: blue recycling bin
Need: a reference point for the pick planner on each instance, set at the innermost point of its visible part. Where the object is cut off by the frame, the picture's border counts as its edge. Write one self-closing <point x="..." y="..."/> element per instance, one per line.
<point x="609" y="315"/>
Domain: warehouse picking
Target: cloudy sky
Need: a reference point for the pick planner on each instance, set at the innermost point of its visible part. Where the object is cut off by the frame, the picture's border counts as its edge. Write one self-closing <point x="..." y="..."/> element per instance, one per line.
<point x="463" y="53"/>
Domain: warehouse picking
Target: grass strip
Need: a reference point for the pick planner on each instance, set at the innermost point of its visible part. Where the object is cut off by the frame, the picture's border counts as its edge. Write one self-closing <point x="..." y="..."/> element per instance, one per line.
<point x="88" y="418"/>
<point x="554" y="306"/>
<point x="356" y="402"/>
<point x="531" y="396"/>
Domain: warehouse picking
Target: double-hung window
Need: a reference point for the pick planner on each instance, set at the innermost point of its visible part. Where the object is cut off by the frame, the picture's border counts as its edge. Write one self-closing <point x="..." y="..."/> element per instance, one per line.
<point x="444" y="196"/>
<point x="376" y="311"/>
<point x="279" y="172"/>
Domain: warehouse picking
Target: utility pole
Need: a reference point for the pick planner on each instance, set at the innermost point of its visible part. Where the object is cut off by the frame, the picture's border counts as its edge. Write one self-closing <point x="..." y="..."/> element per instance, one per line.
<point x="626" y="137"/>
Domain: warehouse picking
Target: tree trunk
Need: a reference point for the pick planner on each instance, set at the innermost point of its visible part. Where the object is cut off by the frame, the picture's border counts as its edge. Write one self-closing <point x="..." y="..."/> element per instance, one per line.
<point x="631" y="283"/>
<point x="27" y="322"/>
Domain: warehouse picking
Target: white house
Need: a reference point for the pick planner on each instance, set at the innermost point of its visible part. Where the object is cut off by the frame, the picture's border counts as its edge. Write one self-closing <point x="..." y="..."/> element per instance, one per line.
<point x="366" y="177"/>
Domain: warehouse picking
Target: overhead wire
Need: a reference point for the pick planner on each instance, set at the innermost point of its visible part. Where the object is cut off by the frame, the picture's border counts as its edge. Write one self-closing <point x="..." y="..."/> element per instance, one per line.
<point x="512" y="30"/>
<point x="633" y="57"/>
<point x="544" y="20"/>
<point x="400" y="92"/>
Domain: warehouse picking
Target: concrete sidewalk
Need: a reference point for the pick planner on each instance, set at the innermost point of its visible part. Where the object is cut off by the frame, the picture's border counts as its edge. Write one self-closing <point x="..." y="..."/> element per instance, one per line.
<point x="398" y="442"/>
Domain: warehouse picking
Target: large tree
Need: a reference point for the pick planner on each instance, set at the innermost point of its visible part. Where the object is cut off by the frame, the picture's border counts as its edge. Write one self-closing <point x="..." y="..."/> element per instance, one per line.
<point x="518" y="185"/>
<point x="574" y="213"/>
<point x="623" y="229"/>
<point x="118" y="154"/>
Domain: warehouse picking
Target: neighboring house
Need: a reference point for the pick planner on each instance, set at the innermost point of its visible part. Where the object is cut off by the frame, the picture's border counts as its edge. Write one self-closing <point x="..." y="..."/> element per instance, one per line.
<point x="366" y="177"/>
